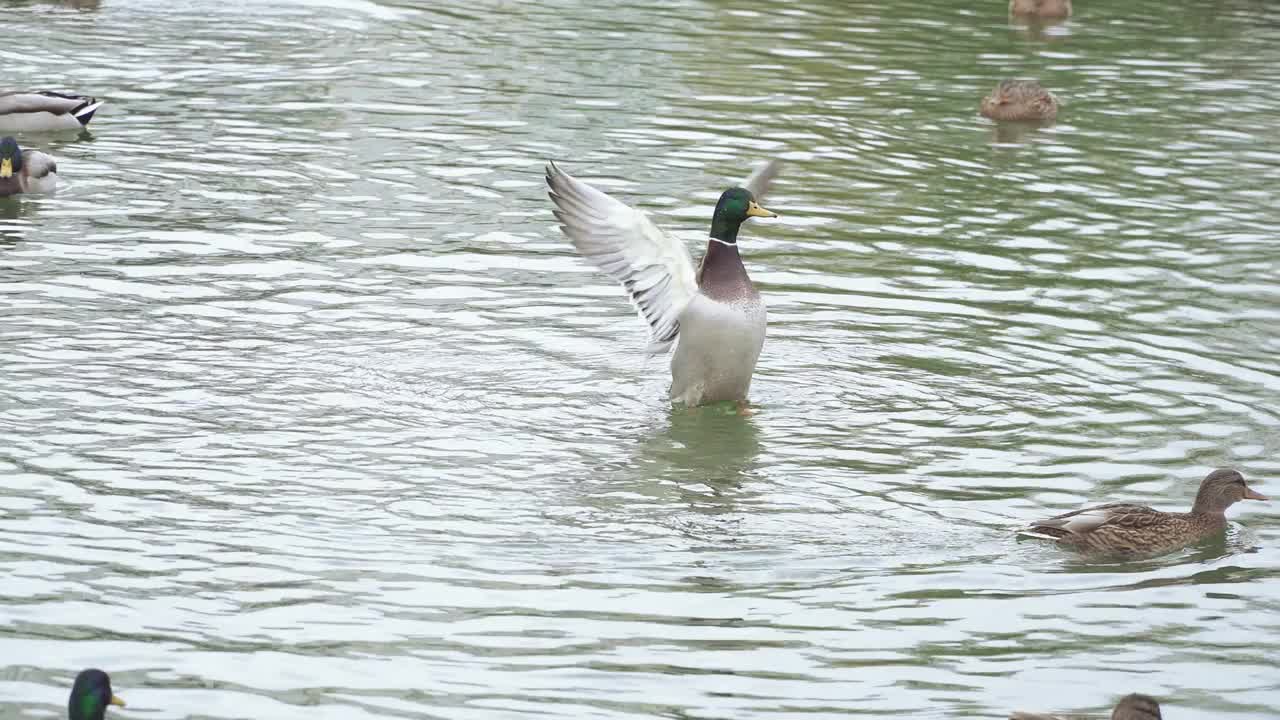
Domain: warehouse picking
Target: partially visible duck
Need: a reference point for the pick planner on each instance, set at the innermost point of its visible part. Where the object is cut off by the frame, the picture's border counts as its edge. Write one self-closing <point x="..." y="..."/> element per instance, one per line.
<point x="1132" y="530"/>
<point x="1130" y="707"/>
<point x="1019" y="100"/>
<point x="1040" y="8"/>
<point x="91" y="695"/>
<point x="41" y="110"/>
<point x="25" y="171"/>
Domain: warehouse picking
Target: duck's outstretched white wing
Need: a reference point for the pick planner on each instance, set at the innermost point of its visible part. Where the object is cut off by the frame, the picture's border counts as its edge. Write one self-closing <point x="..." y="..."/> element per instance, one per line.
<point x="654" y="267"/>
<point x="761" y="179"/>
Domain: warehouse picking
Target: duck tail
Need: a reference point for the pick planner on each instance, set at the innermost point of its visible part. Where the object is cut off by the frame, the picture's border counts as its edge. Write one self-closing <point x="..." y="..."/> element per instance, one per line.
<point x="85" y="112"/>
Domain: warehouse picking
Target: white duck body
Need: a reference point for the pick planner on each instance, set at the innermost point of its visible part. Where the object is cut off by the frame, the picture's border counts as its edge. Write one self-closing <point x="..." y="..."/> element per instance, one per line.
<point x="722" y="331"/>
<point x="43" y="177"/>
<point x="42" y="111"/>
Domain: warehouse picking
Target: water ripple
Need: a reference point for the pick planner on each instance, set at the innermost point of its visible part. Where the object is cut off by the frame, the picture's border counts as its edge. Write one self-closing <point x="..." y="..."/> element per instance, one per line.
<point x="310" y="411"/>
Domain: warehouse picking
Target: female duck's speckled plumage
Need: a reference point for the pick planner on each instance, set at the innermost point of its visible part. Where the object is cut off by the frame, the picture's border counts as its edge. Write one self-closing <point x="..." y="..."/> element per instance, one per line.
<point x="1130" y="530"/>
<point x="1040" y="8"/>
<point x="1019" y="100"/>
<point x="90" y="696"/>
<point x="1130" y="707"/>
<point x="714" y="311"/>
<point x="40" y="110"/>
<point x="25" y="171"/>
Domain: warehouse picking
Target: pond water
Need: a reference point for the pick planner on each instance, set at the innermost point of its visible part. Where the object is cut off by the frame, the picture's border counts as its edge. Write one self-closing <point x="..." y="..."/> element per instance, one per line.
<point x="309" y="411"/>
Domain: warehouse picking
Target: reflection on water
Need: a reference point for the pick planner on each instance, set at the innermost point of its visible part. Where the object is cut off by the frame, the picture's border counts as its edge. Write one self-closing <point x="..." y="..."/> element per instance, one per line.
<point x="1013" y="133"/>
<point x="714" y="442"/>
<point x="309" y="410"/>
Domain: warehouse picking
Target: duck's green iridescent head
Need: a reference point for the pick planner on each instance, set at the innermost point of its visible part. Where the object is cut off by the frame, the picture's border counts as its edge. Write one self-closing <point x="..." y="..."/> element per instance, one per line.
<point x="10" y="157"/>
<point x="735" y="206"/>
<point x="91" y="695"/>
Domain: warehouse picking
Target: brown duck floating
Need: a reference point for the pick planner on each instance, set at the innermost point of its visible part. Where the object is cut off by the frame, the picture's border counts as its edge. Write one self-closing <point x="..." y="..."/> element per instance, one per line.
<point x="1130" y="707"/>
<point x="1040" y="8"/>
<point x="1019" y="100"/>
<point x="1140" y="531"/>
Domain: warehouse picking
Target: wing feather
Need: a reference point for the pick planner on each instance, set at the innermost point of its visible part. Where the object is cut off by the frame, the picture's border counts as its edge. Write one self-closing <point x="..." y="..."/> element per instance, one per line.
<point x="1089" y="519"/>
<point x="38" y="164"/>
<point x="761" y="179"/>
<point x="654" y="267"/>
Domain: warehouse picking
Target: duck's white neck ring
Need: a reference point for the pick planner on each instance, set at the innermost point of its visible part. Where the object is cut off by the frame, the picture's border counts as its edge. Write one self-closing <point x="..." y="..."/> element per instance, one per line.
<point x="722" y="242"/>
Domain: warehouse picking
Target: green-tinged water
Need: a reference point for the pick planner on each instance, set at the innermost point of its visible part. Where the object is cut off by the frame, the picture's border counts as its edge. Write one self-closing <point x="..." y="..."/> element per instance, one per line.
<point x="308" y="411"/>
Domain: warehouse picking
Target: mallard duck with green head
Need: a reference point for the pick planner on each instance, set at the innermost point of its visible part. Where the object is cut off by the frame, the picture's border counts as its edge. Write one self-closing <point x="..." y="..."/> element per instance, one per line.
<point x="25" y="171"/>
<point x="90" y="696"/>
<point x="1019" y="100"/>
<point x="1048" y="9"/>
<point x="1129" y="530"/>
<point x="41" y="110"/>
<point x="712" y="310"/>
<point x="1130" y="707"/>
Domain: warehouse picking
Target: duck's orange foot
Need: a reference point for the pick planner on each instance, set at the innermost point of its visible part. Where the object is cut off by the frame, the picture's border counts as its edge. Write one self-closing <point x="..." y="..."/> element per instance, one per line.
<point x="745" y="409"/>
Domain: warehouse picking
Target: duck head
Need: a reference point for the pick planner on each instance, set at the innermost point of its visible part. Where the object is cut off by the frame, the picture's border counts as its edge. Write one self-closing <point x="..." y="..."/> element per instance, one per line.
<point x="91" y="693"/>
<point x="1221" y="489"/>
<point x="10" y="157"/>
<point x="1018" y="99"/>
<point x="1041" y="8"/>
<point x="1136" y="707"/>
<point x="736" y="205"/>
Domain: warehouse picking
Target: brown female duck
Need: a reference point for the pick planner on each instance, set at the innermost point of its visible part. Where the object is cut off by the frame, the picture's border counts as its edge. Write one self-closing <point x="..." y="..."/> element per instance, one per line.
<point x="1040" y="8"/>
<point x="1024" y="100"/>
<point x="1130" y="707"/>
<point x="1139" y="531"/>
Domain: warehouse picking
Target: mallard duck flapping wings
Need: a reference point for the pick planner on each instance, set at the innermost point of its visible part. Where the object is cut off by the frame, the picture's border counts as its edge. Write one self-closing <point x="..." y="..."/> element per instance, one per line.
<point x="39" y="111"/>
<point x="1130" y="707"/>
<point x="1133" y="530"/>
<point x="713" y="310"/>
<point x="25" y="171"/>
<point x="90" y="696"/>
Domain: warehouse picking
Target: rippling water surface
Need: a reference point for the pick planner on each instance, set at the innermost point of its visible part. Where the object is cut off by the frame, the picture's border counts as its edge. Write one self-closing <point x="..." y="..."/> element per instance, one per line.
<point x="309" y="411"/>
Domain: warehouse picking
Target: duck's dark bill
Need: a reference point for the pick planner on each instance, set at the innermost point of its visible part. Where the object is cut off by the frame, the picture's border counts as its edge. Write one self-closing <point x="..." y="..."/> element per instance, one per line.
<point x="1250" y="494"/>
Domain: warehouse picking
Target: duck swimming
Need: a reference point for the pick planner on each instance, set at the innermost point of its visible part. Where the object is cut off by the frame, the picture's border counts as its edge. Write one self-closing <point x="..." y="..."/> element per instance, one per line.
<point x="1130" y="530"/>
<point x="1130" y="707"/>
<point x="41" y="110"/>
<point x="1040" y="8"/>
<point x="90" y="696"/>
<point x="714" y="310"/>
<point x="1019" y="100"/>
<point x="25" y="171"/>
